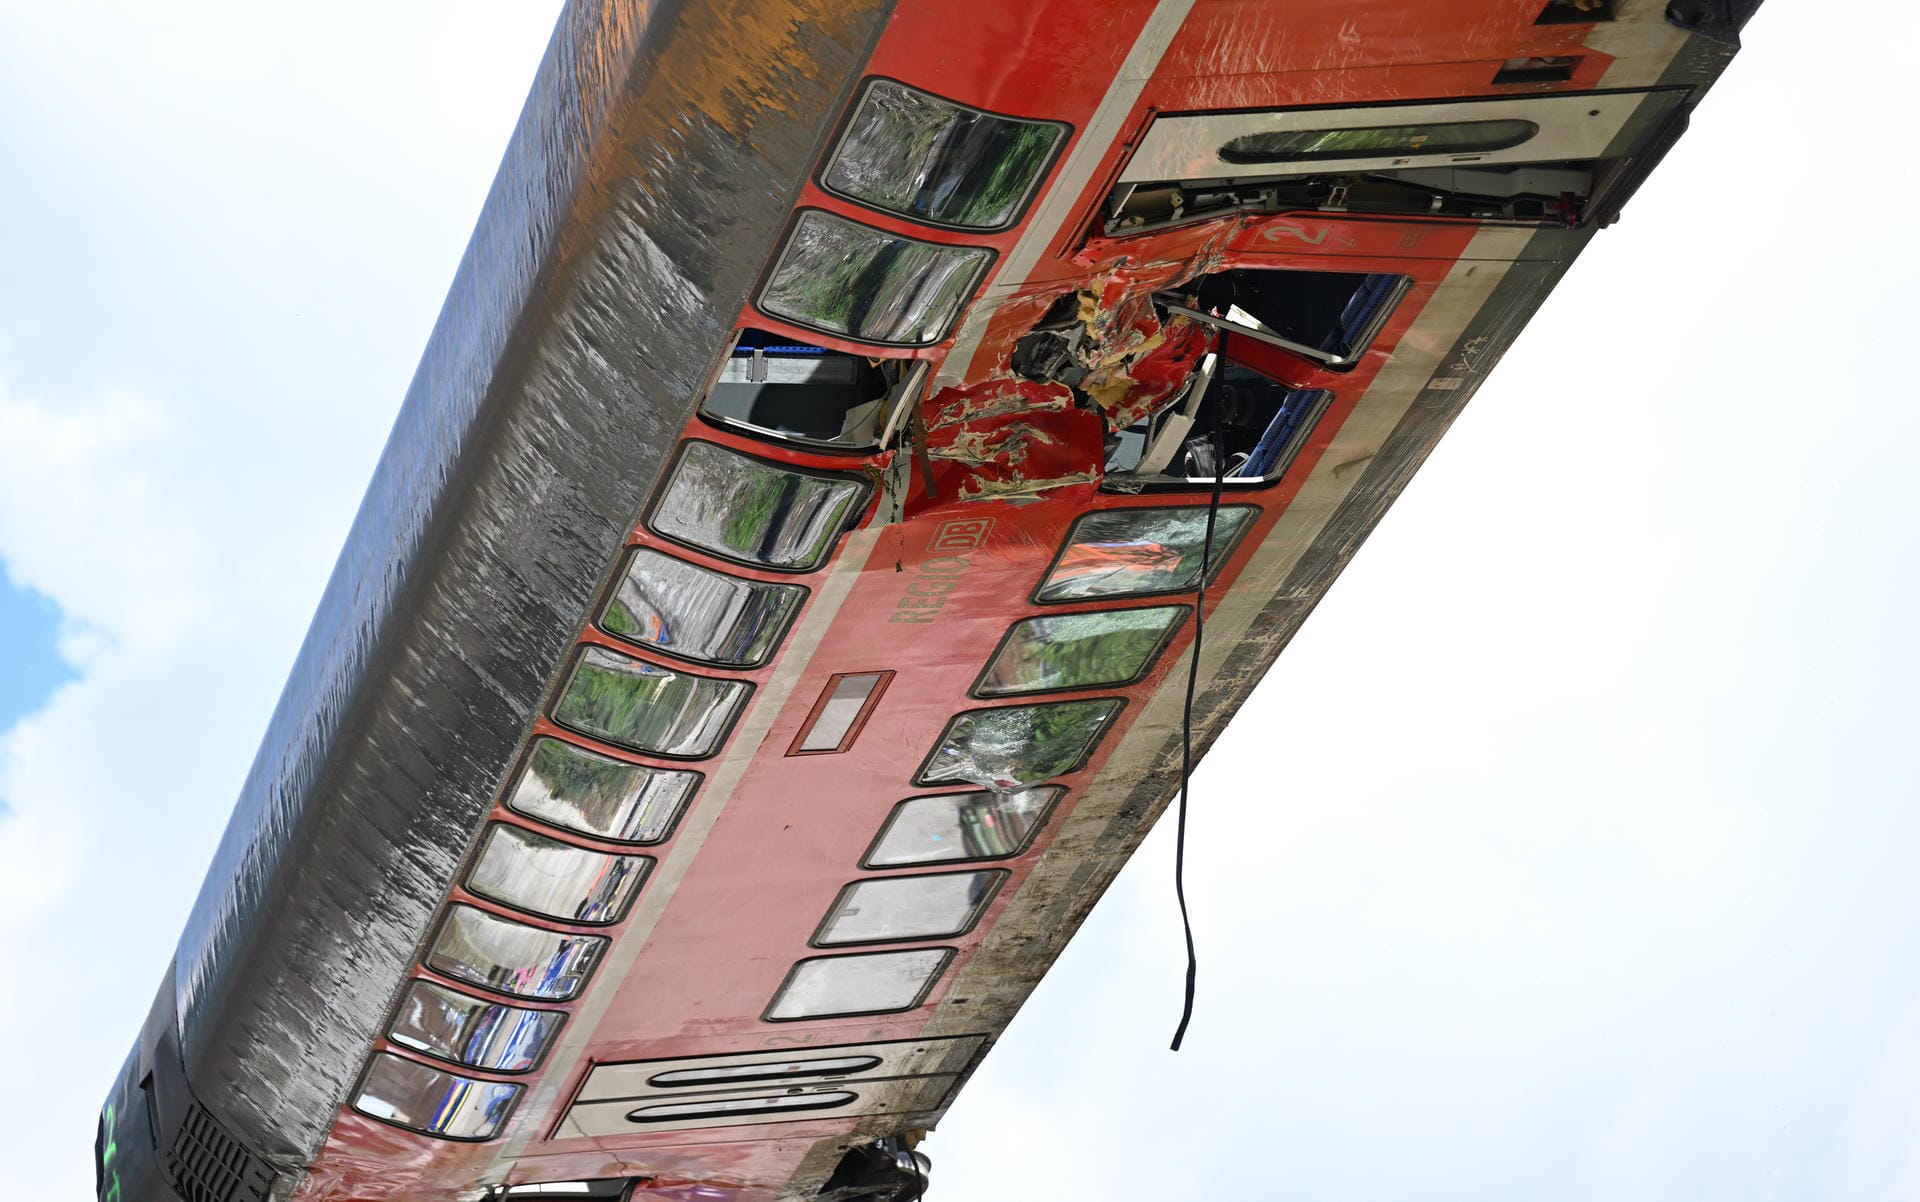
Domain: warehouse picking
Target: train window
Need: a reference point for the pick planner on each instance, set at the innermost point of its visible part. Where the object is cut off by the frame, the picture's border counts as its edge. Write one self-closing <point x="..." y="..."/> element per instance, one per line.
<point x="896" y="908"/>
<point x="1263" y="426"/>
<point x="1553" y="68"/>
<point x="761" y="514"/>
<point x="490" y="1035"/>
<point x="951" y="827"/>
<point x="1079" y="651"/>
<point x="681" y="1112"/>
<point x="844" y="706"/>
<point x="1134" y="552"/>
<point x="558" y="880"/>
<point x="1379" y="141"/>
<point x="1331" y="317"/>
<point x="578" y="790"/>
<point x="648" y="708"/>
<point x="786" y="1070"/>
<point x="795" y="392"/>
<point x="1575" y="12"/>
<point x="1019" y="746"/>
<point x="871" y="983"/>
<point x="695" y="613"/>
<point x="512" y="958"/>
<point x="840" y="277"/>
<point x="433" y="1102"/>
<point x="939" y="162"/>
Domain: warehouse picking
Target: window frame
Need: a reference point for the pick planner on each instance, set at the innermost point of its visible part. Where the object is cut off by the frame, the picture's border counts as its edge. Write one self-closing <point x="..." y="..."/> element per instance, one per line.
<point x="858" y="514"/>
<point x="786" y="240"/>
<point x="1232" y="547"/>
<point x="911" y="390"/>
<point x="1079" y="764"/>
<point x="845" y="129"/>
<point x="435" y="982"/>
<point x="552" y="712"/>
<point x="491" y="831"/>
<point x="997" y="876"/>
<point x="1026" y="844"/>
<point x="1153" y="658"/>
<point x="480" y="905"/>
<point x="933" y="982"/>
<point x="524" y="764"/>
<point x="624" y="568"/>
<point x="366" y="1074"/>
<point x="859" y="722"/>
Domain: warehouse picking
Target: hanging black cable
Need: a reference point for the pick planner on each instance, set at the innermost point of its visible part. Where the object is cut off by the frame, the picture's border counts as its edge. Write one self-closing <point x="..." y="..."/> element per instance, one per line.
<point x="1186" y="719"/>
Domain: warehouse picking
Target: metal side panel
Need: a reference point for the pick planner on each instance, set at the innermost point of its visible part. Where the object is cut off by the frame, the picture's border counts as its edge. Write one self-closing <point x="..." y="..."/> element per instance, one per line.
<point x="639" y="198"/>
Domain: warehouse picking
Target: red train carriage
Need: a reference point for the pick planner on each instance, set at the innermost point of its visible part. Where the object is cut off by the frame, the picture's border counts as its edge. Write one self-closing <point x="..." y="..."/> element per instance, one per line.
<point x="766" y="633"/>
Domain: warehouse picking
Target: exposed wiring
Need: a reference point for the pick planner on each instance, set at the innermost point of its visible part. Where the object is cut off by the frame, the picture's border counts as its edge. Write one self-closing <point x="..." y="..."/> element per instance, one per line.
<point x="1186" y="720"/>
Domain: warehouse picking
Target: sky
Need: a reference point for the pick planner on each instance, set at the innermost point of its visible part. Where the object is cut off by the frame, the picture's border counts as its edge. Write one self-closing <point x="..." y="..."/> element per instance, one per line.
<point x="1566" y="852"/>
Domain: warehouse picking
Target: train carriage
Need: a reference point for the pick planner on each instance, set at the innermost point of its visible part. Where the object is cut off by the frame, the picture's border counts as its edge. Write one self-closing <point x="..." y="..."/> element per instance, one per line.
<point x="769" y="627"/>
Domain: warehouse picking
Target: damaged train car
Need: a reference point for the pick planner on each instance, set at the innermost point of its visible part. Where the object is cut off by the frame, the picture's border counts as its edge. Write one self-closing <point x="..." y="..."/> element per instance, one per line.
<point x="765" y="634"/>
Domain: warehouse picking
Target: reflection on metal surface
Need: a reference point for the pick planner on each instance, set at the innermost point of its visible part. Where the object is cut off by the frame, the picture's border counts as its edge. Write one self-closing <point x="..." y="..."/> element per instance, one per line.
<point x="1127" y="552"/>
<point x="491" y="1035"/>
<point x="837" y="718"/>
<point x="512" y="958"/>
<point x="859" y="282"/>
<point x="1018" y="746"/>
<point x="674" y="1112"/>
<point x="432" y="1101"/>
<point x="1077" y="651"/>
<point x="873" y="983"/>
<point x="961" y="826"/>
<point x="689" y="611"/>
<point x="582" y="791"/>
<point x="890" y="909"/>
<point x="1311" y="145"/>
<point x="574" y="884"/>
<point x="823" y="1066"/>
<point x="648" y="708"/>
<point x="939" y="162"/>
<point x="756" y="512"/>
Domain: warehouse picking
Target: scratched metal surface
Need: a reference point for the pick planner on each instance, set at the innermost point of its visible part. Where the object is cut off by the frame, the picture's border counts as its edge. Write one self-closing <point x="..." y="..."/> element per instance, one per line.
<point x="637" y="202"/>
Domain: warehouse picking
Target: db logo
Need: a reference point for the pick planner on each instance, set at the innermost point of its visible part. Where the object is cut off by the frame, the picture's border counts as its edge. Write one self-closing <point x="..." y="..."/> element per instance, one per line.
<point x="961" y="534"/>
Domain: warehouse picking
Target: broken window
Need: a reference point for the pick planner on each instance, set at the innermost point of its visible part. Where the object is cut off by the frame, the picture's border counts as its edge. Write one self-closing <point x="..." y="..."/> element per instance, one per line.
<point x="1263" y="426"/>
<point x="1020" y="746"/>
<point x="1327" y="316"/>
<point x="794" y="392"/>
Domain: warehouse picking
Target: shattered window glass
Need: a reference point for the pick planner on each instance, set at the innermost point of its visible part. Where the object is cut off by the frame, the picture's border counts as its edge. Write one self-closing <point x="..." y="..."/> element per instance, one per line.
<point x="646" y="707"/>
<point x="1129" y="552"/>
<point x="1077" y="651"/>
<point x="756" y="512"/>
<point x="694" y="613"/>
<point x="895" y="908"/>
<point x="1380" y="141"/>
<point x="432" y="1101"/>
<point x="853" y="280"/>
<point x="583" y="791"/>
<point x="491" y="1035"/>
<point x="1019" y="746"/>
<point x="939" y="162"/>
<point x="961" y="826"/>
<point x="545" y="876"/>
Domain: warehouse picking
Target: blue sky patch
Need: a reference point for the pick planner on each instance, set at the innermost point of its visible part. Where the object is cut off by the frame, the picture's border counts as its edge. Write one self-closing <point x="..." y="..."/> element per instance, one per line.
<point x="30" y="664"/>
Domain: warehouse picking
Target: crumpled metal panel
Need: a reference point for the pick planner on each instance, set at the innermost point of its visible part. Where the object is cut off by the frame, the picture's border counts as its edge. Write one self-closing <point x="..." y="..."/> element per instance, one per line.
<point x="648" y="178"/>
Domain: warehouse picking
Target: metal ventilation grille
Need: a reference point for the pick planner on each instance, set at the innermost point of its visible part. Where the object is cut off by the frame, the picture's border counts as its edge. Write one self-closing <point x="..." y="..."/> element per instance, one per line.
<point x="205" y="1164"/>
